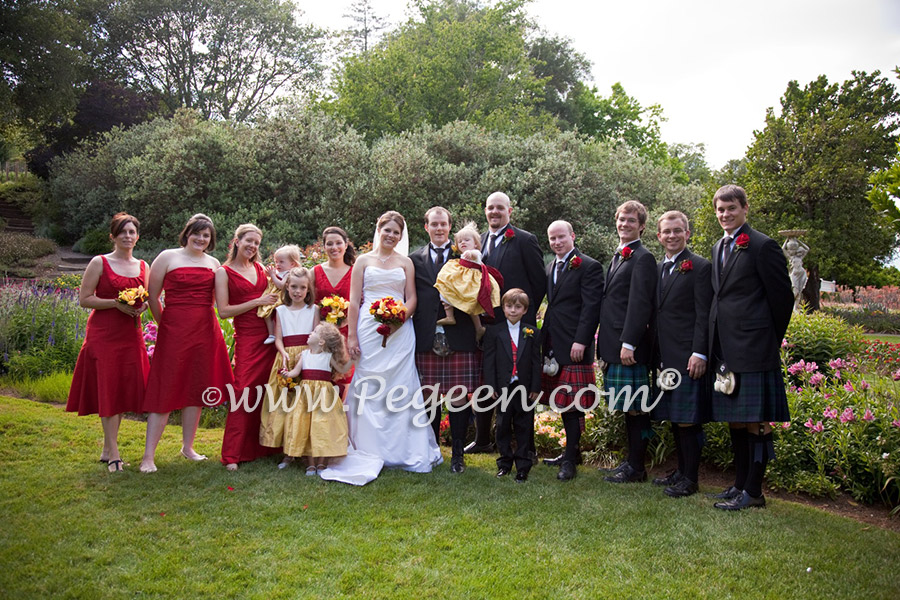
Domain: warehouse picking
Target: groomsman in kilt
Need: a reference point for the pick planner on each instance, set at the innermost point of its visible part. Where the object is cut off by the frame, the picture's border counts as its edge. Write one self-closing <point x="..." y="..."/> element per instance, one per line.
<point x="446" y="356"/>
<point x="516" y="254"/>
<point x="750" y="311"/>
<point x="574" y="290"/>
<point x="625" y="340"/>
<point x="682" y="343"/>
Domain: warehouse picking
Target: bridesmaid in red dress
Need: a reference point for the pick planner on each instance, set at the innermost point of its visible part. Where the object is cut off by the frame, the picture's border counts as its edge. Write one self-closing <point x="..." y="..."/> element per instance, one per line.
<point x="240" y="290"/>
<point x="112" y="366"/>
<point x="190" y="367"/>
<point x="333" y="277"/>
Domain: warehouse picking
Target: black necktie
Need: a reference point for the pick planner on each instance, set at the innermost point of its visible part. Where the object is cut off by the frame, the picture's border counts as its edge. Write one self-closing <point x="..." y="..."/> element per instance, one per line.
<point x="440" y="256"/>
<point x="667" y="271"/>
<point x="559" y="267"/>
<point x="491" y="241"/>
<point x="726" y="250"/>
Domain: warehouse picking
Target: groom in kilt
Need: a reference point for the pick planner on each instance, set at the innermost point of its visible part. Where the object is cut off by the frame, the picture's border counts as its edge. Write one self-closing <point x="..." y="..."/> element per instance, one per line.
<point x="682" y="343"/>
<point x="574" y="290"/>
<point x="749" y="315"/>
<point x="446" y="356"/>
<point x="624" y="341"/>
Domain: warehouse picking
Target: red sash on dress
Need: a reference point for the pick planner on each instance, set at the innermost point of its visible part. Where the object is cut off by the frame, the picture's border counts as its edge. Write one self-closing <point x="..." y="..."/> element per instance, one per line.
<point x="291" y="341"/>
<point x="315" y="375"/>
<point x="484" y="292"/>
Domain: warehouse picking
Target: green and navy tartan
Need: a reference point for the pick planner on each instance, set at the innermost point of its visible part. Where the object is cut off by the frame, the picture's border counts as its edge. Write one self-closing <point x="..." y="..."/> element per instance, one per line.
<point x="688" y="403"/>
<point x="618" y="376"/>
<point x="759" y="398"/>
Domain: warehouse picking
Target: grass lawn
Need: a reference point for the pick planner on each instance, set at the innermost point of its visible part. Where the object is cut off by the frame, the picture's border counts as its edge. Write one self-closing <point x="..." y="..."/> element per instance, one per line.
<point x="70" y="529"/>
<point x="884" y="337"/>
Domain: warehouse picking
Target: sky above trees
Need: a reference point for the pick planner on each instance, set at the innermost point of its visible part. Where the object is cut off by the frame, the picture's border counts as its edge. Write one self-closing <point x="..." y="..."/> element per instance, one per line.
<point x="714" y="67"/>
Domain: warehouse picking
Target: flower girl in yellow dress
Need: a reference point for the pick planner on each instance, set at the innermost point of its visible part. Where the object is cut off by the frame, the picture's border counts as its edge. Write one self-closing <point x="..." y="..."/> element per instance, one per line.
<point x="468" y="284"/>
<point x="323" y="433"/>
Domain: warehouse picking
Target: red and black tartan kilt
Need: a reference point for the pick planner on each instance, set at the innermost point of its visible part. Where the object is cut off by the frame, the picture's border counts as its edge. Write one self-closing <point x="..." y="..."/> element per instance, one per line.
<point x="460" y="368"/>
<point x="577" y="377"/>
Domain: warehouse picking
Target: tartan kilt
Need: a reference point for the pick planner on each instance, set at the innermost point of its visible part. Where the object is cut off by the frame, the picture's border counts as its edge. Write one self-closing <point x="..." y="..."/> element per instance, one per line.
<point x="690" y="402"/>
<point x="760" y="398"/>
<point x="460" y="368"/>
<point x="577" y="377"/>
<point x="617" y="376"/>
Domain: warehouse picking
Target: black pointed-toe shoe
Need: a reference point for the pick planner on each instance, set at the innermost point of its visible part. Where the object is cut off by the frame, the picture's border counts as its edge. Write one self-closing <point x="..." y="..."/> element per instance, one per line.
<point x="613" y="470"/>
<point x="671" y="478"/>
<point x="627" y="474"/>
<point x="743" y="501"/>
<point x="682" y="488"/>
<point x="726" y="494"/>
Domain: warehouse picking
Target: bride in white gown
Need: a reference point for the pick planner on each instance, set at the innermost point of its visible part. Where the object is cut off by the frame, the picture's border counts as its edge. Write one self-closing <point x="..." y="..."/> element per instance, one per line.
<point x="388" y="423"/>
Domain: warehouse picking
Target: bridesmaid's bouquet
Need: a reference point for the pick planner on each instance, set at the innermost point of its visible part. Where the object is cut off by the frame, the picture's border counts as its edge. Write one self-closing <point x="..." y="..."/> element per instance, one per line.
<point x="333" y="309"/>
<point x="134" y="297"/>
<point x="285" y="381"/>
<point x="387" y="311"/>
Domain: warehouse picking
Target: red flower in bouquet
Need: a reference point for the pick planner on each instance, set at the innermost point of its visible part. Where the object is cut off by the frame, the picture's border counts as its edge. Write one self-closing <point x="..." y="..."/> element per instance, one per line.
<point x="387" y="311"/>
<point x="626" y="252"/>
<point x="333" y="309"/>
<point x="685" y="266"/>
<point x="742" y="241"/>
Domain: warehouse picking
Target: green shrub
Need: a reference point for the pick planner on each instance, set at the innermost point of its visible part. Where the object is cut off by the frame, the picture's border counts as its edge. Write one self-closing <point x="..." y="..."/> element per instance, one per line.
<point x="45" y="388"/>
<point x="94" y="242"/>
<point x="871" y="318"/>
<point x="818" y="337"/>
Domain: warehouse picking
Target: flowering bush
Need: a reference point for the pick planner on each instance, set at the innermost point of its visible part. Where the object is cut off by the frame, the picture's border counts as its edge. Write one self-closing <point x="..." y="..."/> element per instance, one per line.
<point x="887" y="297"/>
<point x="869" y="318"/>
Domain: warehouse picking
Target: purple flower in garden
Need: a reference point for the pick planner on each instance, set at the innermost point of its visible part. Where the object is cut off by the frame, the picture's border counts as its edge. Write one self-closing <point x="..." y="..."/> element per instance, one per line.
<point x="816" y="379"/>
<point x="848" y="386"/>
<point x="847" y="415"/>
<point x="868" y="416"/>
<point x="830" y="413"/>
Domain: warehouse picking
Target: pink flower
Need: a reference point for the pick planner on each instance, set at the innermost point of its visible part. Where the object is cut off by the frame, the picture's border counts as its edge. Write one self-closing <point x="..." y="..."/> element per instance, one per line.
<point x="828" y="396"/>
<point x="868" y="416"/>
<point x="811" y="367"/>
<point x="784" y="343"/>
<point x="837" y="373"/>
<point x="816" y="379"/>
<point x="830" y="413"/>
<point x="864" y="384"/>
<point x="895" y="423"/>
<point x="786" y="425"/>
<point x="847" y="415"/>
<point x="837" y="363"/>
<point x="818" y="427"/>
<point x="796" y="368"/>
<point x="848" y="386"/>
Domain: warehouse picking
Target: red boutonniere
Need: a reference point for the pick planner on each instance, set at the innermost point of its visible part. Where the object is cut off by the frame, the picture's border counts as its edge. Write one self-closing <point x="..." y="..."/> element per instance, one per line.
<point x="528" y="332"/>
<point x="575" y="262"/>
<point x="742" y="241"/>
<point x="685" y="266"/>
<point x="626" y="252"/>
<point x="508" y="235"/>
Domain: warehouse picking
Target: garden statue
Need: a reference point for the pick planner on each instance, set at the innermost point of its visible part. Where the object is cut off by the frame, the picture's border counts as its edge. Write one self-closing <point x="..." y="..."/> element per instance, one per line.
<point x="795" y="250"/>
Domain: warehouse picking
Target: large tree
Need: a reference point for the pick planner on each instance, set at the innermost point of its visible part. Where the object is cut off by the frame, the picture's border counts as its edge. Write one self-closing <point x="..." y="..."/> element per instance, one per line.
<point x="810" y="168"/>
<point x="458" y="60"/>
<point x="224" y="58"/>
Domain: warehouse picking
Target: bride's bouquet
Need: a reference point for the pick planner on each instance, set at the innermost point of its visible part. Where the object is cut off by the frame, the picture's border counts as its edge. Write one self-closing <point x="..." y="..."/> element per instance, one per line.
<point x="387" y="311"/>
<point x="333" y="309"/>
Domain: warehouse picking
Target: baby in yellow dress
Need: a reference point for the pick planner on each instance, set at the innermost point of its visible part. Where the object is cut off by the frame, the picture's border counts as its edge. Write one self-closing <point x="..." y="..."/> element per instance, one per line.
<point x="468" y="284"/>
<point x="285" y="258"/>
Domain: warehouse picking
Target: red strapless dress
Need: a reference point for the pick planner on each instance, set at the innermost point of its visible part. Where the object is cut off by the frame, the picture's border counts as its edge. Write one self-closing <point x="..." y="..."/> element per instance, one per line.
<point x="190" y="354"/>
<point x="112" y="367"/>
<point x="252" y="363"/>
<point x="342" y="289"/>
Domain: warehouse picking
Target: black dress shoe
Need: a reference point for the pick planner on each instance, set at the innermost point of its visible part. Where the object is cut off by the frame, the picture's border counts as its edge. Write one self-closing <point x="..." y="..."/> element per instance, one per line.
<point x="474" y="448"/>
<point x="457" y="464"/>
<point x="521" y="476"/>
<point x="727" y="494"/>
<point x="670" y="479"/>
<point x="566" y="471"/>
<point x="683" y="487"/>
<point x="501" y="472"/>
<point x="743" y="501"/>
<point x="614" y="469"/>
<point x="627" y="475"/>
<point x="556" y="461"/>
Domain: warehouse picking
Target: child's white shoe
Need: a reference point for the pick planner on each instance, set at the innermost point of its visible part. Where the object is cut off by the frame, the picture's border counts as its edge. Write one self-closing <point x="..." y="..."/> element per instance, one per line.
<point x="270" y="340"/>
<point x="287" y="460"/>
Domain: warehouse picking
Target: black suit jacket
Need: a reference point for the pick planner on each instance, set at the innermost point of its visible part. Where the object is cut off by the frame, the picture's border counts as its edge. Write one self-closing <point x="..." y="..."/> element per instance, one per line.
<point x="752" y="304"/>
<point x="682" y="312"/>
<point x="498" y="357"/>
<point x="573" y="308"/>
<point x="460" y="337"/>
<point x="626" y="311"/>
<point x="521" y="263"/>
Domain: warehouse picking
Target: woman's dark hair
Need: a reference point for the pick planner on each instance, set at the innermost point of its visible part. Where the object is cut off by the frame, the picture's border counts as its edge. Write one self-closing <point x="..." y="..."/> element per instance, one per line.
<point x="120" y="220"/>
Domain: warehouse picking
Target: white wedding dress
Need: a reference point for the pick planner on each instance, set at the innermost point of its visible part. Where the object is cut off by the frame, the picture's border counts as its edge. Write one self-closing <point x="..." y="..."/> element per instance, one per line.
<point x="388" y="423"/>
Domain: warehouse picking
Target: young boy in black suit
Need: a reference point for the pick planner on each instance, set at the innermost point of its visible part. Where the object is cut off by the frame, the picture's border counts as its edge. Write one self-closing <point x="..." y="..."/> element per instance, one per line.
<point x="512" y="370"/>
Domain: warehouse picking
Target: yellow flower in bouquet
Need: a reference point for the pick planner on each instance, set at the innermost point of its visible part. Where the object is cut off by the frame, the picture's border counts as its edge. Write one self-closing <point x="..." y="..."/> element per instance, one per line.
<point x="133" y="296"/>
<point x="286" y="382"/>
<point x="333" y="309"/>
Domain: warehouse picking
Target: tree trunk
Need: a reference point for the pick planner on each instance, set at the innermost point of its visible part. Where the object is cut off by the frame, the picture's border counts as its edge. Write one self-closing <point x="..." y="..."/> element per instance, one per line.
<point x="810" y="293"/>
